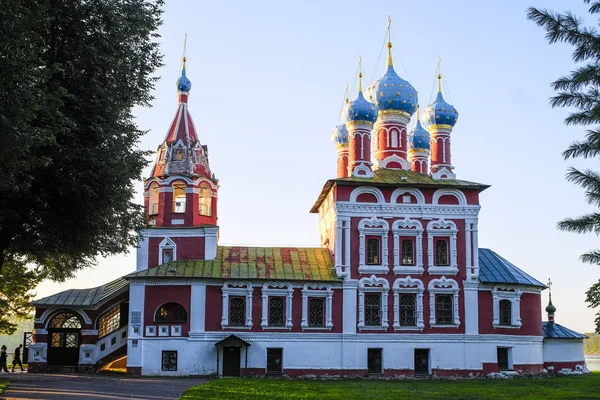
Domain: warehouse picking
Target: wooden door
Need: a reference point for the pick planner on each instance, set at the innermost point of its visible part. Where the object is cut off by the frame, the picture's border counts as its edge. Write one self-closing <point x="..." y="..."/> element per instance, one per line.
<point x="421" y="361"/>
<point x="231" y="361"/>
<point x="63" y="346"/>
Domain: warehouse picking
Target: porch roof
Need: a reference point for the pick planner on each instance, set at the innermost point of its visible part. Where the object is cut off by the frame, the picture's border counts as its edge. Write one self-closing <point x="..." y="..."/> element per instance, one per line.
<point x="495" y="269"/>
<point x="84" y="297"/>
<point x="555" y="331"/>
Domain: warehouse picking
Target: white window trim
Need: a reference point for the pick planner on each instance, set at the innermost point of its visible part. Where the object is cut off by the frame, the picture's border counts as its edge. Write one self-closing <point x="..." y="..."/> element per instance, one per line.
<point x="277" y="289"/>
<point x="241" y="289"/>
<point x="163" y="330"/>
<point x="175" y="330"/>
<point x="316" y="290"/>
<point x="373" y="285"/>
<point x="514" y="296"/>
<point x="445" y="229"/>
<point x="373" y="227"/>
<point x="443" y="286"/>
<point x="150" y="330"/>
<point x="166" y="244"/>
<point x="408" y="228"/>
<point x="408" y="285"/>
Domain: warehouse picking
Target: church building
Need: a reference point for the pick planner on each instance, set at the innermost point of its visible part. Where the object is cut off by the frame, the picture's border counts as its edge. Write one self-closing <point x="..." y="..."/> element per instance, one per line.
<point x="399" y="287"/>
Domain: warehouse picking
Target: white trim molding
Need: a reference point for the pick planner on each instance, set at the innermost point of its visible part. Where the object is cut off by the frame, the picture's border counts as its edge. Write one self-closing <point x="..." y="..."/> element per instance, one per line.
<point x="373" y="227"/>
<point x="408" y="228"/>
<point x="443" y="286"/>
<point x="166" y="244"/>
<point x="413" y="192"/>
<point x="393" y="158"/>
<point x="446" y="229"/>
<point x="362" y="171"/>
<point x="460" y="196"/>
<point x="514" y="296"/>
<point x="317" y="290"/>
<point x="373" y="285"/>
<point x="367" y="189"/>
<point x="277" y="289"/>
<point x="236" y="288"/>
<point x="408" y="285"/>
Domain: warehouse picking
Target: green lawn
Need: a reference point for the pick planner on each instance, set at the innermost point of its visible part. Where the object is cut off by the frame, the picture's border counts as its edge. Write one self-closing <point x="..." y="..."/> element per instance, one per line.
<point x="560" y="387"/>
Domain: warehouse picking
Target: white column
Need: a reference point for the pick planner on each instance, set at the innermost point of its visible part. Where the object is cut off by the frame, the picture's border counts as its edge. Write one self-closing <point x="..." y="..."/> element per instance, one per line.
<point x="225" y="309"/>
<point x="198" y="307"/>
<point x="142" y="253"/>
<point x="329" y="306"/>
<point x="264" y="322"/>
<point x="288" y="308"/>
<point x="347" y="243"/>
<point x="349" y="292"/>
<point x="468" y="261"/>
<point x="338" y="243"/>
<point x="396" y="323"/>
<point x="471" y="307"/>
<point x="304" y="322"/>
<point x="136" y="324"/>
<point x="210" y="243"/>
<point x="475" y="249"/>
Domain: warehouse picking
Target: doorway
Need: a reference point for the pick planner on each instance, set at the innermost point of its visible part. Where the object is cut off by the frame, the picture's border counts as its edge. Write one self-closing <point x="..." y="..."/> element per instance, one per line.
<point x="231" y="361"/>
<point x="422" y="362"/>
<point x="64" y="339"/>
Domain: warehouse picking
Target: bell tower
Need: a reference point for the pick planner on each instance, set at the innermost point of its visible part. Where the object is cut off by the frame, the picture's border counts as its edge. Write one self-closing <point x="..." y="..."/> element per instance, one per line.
<point x="180" y="196"/>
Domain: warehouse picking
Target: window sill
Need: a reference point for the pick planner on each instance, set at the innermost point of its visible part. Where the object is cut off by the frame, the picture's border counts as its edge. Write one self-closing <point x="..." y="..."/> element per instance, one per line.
<point x="409" y="328"/>
<point x="316" y="328"/>
<point x="372" y="328"/>
<point x="507" y="326"/>
<point x="443" y="270"/>
<point x="373" y="269"/>
<point x="444" y="325"/>
<point x="239" y="327"/>
<point x="408" y="269"/>
<point x="277" y="328"/>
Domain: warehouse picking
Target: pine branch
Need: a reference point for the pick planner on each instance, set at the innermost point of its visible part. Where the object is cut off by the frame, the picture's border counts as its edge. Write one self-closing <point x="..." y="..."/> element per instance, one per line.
<point x="592" y="257"/>
<point x="584" y="224"/>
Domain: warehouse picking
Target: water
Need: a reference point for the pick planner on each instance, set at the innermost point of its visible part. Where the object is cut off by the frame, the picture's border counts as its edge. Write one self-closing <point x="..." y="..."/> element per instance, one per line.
<point x="593" y="362"/>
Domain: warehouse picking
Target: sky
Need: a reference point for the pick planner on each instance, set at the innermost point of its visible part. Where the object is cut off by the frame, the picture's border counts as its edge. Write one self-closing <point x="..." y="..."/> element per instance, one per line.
<point x="268" y="83"/>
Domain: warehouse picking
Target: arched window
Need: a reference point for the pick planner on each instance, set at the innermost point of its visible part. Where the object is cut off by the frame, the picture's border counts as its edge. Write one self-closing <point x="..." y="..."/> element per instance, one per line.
<point x="394" y="138"/>
<point x="178" y="198"/>
<point x="408" y="309"/>
<point x="408" y="252"/>
<point x="204" y="200"/>
<point x="373" y="252"/>
<point x="237" y="311"/>
<point x="153" y="199"/>
<point x="65" y="320"/>
<point x="170" y="312"/>
<point x="505" y="312"/>
<point x="441" y="252"/>
<point x="276" y="313"/>
<point x="316" y="313"/>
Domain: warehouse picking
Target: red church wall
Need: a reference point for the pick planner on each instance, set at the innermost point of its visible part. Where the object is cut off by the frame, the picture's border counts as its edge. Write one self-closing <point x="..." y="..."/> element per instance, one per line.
<point x="366" y="198"/>
<point x="155" y="296"/>
<point x="448" y="199"/>
<point x="342" y="193"/>
<point x="531" y="315"/>
<point x="188" y="248"/>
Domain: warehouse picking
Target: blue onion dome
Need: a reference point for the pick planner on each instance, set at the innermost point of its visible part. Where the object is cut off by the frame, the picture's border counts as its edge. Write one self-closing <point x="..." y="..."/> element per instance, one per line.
<point x="419" y="137"/>
<point x="360" y="109"/>
<point x="390" y="92"/>
<point x="340" y="135"/>
<point x="183" y="83"/>
<point x="440" y="112"/>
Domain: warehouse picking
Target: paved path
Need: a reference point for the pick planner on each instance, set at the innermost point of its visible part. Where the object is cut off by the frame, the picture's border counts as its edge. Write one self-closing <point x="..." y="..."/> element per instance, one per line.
<point x="97" y="387"/>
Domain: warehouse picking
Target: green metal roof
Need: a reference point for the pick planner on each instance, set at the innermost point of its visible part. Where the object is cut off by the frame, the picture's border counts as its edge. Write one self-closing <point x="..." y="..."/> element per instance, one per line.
<point x="237" y="262"/>
<point x="395" y="177"/>
<point x="84" y="297"/>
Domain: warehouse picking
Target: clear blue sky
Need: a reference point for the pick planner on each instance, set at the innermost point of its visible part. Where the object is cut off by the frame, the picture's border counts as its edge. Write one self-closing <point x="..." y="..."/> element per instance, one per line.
<point x="268" y="81"/>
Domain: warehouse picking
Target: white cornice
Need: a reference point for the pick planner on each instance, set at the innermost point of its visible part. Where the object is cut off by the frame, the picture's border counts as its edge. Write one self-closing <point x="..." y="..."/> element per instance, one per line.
<point x="420" y="211"/>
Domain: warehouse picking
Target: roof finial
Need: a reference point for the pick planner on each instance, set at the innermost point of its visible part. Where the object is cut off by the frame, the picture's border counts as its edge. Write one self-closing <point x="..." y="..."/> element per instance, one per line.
<point x="550" y="309"/>
<point x="389" y="44"/>
<point x="550" y="289"/>
<point x="359" y="74"/>
<point x="439" y="74"/>
<point x="346" y="99"/>
<point x="184" y="50"/>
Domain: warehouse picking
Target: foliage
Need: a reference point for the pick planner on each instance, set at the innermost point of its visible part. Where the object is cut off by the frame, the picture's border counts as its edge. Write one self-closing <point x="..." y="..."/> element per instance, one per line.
<point x="591" y="345"/>
<point x="14" y="339"/>
<point x="70" y="73"/>
<point x="16" y="285"/>
<point x="3" y="385"/>
<point x="572" y="387"/>
<point x="580" y="89"/>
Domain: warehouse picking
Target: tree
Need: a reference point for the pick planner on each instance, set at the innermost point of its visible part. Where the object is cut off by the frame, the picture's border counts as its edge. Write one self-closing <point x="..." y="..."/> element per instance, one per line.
<point x="71" y="72"/>
<point x="579" y="89"/>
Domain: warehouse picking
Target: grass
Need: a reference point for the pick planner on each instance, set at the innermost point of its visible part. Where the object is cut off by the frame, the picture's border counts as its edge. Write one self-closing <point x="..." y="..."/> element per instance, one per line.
<point x="3" y="385"/>
<point x="560" y="387"/>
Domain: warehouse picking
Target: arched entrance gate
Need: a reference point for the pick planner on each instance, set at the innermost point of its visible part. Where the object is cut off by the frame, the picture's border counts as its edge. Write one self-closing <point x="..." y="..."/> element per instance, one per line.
<point x="64" y="339"/>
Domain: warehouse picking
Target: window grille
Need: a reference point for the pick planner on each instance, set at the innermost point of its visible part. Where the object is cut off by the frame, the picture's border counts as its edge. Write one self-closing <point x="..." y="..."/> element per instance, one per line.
<point x="505" y="312"/>
<point x="372" y="309"/>
<point x="441" y="253"/>
<point x="237" y="311"/>
<point x="65" y="320"/>
<point x="316" y="316"/>
<point x="408" y="309"/>
<point x="109" y="321"/>
<point x="56" y="339"/>
<point x="169" y="361"/>
<point x="274" y="361"/>
<point x="276" y="314"/>
<point x="408" y="252"/>
<point x="71" y="339"/>
<point x="170" y="312"/>
<point x="373" y="252"/>
<point x="374" y="361"/>
<point x="443" y="309"/>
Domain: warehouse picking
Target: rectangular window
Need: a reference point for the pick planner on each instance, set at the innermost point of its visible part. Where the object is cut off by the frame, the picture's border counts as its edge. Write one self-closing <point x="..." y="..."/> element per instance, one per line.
<point x="237" y="311"/>
<point x="276" y="311"/>
<point x="421" y="361"/>
<point x="408" y="309"/>
<point x="372" y="309"/>
<point x="274" y="361"/>
<point x="505" y="312"/>
<point x="109" y="321"/>
<point x="443" y="309"/>
<point x="316" y="313"/>
<point x="503" y="359"/>
<point x="441" y="252"/>
<point x="169" y="360"/>
<point x="373" y="252"/>
<point x="408" y="252"/>
<point x="374" y="361"/>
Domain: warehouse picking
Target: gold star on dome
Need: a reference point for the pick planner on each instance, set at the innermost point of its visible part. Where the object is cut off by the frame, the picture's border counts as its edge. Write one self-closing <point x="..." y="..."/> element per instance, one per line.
<point x="385" y="84"/>
<point x="393" y="84"/>
<point x="409" y="96"/>
<point x="382" y="94"/>
<point x="403" y="101"/>
<point x="397" y="93"/>
<point x="443" y="109"/>
<point x="389" y="101"/>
